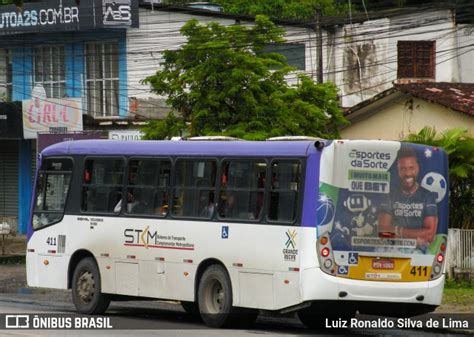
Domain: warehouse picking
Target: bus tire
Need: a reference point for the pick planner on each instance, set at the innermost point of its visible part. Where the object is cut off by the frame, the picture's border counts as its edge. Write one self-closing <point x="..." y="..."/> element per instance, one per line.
<point x="215" y="297"/>
<point x="86" y="288"/>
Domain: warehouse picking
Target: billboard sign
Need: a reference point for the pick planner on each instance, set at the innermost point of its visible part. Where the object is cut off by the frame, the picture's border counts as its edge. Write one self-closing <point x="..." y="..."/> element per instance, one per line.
<point x="51" y="115"/>
<point x="125" y="135"/>
<point x="68" y="15"/>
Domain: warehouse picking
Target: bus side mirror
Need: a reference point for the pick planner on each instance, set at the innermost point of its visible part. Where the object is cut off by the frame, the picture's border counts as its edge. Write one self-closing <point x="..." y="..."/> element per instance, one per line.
<point x="319" y="145"/>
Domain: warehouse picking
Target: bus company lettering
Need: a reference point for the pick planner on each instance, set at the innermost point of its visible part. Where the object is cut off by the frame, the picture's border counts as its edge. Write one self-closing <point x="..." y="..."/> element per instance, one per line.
<point x="146" y="238"/>
<point x="413" y="209"/>
<point x="367" y="159"/>
<point x="289" y="254"/>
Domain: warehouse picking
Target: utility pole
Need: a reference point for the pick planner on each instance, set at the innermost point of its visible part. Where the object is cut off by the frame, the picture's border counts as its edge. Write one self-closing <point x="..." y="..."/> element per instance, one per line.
<point x="319" y="45"/>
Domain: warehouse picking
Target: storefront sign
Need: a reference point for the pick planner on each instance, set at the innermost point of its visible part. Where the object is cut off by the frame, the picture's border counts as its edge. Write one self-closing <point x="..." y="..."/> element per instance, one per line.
<point x="51" y="115"/>
<point x="67" y="15"/>
<point x="125" y="135"/>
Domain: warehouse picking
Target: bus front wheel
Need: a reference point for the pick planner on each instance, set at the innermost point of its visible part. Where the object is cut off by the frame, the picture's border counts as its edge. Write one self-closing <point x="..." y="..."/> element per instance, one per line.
<point x="215" y="297"/>
<point x="86" y="288"/>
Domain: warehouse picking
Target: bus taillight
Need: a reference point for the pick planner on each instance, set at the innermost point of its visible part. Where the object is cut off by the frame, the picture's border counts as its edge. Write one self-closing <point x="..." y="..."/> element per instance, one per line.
<point x="325" y="252"/>
<point x="440" y="258"/>
<point x="324" y="249"/>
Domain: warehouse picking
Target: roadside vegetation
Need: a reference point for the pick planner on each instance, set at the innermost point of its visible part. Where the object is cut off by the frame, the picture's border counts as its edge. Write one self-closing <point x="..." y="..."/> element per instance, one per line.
<point x="458" y="292"/>
<point x="460" y="148"/>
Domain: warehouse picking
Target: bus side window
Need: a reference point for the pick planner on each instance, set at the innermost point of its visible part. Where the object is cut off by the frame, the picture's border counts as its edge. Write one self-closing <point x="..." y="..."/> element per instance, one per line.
<point x="193" y="192"/>
<point x="284" y="190"/>
<point x="102" y="184"/>
<point x="242" y="189"/>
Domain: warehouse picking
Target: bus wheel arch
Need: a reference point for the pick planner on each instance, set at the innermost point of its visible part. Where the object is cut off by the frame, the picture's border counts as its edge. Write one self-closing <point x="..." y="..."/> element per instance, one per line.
<point x="74" y="261"/>
<point x="200" y="271"/>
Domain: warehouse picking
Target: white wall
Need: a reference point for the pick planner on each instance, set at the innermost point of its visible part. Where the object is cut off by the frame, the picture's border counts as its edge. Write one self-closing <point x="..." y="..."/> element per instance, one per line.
<point x="381" y="63"/>
<point x="465" y="53"/>
<point x="159" y="30"/>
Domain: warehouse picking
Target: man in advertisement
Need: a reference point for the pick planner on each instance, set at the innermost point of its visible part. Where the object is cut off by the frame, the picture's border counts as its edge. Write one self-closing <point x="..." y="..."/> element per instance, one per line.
<point x="410" y="211"/>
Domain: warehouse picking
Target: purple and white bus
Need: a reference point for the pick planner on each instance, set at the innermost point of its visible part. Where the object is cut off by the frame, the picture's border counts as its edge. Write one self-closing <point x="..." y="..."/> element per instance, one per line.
<point x="321" y="228"/>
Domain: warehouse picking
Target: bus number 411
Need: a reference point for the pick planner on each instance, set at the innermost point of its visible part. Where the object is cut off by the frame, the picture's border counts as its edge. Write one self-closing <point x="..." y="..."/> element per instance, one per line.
<point x="51" y="241"/>
<point x="419" y="271"/>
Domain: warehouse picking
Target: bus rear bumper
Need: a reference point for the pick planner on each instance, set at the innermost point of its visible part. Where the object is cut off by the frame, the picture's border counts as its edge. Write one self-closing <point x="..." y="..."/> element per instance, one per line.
<point x="318" y="285"/>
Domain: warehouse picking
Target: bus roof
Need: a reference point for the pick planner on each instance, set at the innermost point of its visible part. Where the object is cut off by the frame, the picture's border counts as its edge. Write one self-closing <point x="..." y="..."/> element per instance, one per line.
<point x="181" y="148"/>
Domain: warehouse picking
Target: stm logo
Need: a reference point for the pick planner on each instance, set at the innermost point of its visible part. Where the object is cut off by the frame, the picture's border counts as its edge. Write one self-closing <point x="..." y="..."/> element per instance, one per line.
<point x="117" y="12"/>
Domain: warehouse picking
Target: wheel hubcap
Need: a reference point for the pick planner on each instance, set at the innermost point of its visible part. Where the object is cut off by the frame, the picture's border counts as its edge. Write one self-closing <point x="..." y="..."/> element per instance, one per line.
<point x="215" y="298"/>
<point x="86" y="286"/>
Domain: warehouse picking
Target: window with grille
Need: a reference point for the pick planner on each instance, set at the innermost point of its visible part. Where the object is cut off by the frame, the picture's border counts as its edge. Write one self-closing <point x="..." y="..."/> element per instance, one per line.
<point x="102" y="79"/>
<point x="416" y="59"/>
<point x="49" y="70"/>
<point x="5" y="74"/>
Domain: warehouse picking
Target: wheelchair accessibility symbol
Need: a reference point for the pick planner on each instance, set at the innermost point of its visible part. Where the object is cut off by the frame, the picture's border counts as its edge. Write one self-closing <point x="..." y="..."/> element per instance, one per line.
<point x="225" y="232"/>
<point x="353" y="258"/>
<point x="343" y="270"/>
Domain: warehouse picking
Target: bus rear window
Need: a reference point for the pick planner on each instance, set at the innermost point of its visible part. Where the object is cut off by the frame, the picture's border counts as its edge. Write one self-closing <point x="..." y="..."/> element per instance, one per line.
<point x="51" y="191"/>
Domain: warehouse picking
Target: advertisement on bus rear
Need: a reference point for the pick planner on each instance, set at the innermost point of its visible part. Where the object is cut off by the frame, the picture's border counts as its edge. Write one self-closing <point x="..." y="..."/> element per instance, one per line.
<point x="383" y="197"/>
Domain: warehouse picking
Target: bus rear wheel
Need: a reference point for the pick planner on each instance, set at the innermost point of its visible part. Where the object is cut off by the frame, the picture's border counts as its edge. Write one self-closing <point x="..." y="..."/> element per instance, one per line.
<point x="215" y="297"/>
<point x="86" y="288"/>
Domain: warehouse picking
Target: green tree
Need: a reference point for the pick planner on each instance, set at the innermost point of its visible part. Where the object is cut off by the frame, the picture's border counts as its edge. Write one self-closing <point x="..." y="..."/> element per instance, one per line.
<point x="19" y="3"/>
<point x="222" y="83"/>
<point x="460" y="149"/>
<point x="282" y="9"/>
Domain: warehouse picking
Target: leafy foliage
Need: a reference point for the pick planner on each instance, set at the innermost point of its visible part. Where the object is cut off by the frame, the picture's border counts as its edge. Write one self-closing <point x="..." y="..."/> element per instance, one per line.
<point x="18" y="3"/>
<point x="460" y="149"/>
<point x="282" y="9"/>
<point x="163" y="129"/>
<point x="222" y="83"/>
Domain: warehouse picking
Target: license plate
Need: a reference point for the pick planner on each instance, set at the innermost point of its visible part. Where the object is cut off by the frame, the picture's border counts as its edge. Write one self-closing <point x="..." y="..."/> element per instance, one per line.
<point x="383" y="264"/>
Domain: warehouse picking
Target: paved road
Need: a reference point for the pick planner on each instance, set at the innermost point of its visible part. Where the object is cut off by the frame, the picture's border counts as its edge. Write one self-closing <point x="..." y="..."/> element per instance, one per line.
<point x="164" y="319"/>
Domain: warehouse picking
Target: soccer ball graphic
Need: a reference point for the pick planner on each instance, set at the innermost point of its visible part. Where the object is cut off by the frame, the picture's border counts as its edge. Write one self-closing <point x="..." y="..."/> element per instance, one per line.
<point x="325" y="210"/>
<point x="435" y="182"/>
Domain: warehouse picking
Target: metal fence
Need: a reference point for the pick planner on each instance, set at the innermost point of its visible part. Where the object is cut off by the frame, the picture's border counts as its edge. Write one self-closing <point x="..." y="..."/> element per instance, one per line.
<point x="460" y="251"/>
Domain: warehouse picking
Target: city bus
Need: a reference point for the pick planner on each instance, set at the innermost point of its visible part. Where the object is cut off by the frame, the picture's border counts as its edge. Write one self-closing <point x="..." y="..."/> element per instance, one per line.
<point x="325" y="228"/>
